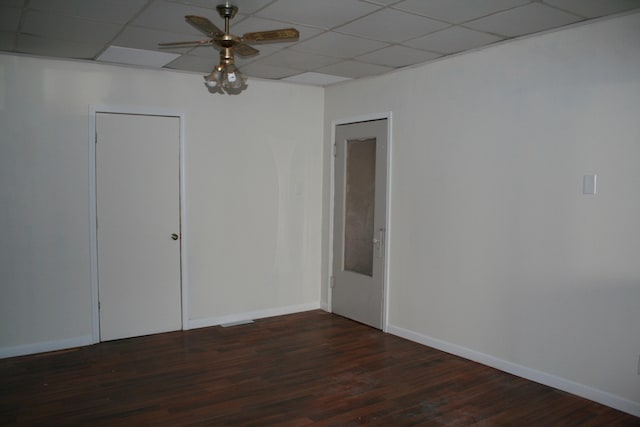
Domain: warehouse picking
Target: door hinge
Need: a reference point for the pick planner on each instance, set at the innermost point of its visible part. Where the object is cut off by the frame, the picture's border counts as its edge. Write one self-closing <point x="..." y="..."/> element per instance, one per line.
<point x="332" y="282"/>
<point x="335" y="150"/>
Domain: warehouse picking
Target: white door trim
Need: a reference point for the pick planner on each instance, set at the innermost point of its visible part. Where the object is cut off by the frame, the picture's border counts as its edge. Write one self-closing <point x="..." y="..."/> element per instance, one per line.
<point x="375" y="116"/>
<point x="93" y="110"/>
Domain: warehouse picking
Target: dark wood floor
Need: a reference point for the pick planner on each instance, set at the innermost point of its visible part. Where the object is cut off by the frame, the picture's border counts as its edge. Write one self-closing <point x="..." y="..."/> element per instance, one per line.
<point x="304" y="369"/>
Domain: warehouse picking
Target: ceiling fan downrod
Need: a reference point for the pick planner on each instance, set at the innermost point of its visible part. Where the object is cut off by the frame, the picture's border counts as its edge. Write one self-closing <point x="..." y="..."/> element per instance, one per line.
<point x="227" y="11"/>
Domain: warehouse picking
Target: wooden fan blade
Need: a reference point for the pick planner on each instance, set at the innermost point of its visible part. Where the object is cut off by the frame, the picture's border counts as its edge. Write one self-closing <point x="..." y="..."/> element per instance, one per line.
<point x="282" y="35"/>
<point x="204" y="25"/>
<point x="244" y="49"/>
<point x="193" y="42"/>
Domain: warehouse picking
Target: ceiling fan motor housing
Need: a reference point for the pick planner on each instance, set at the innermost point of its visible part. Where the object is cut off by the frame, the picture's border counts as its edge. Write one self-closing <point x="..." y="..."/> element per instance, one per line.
<point x="227" y="10"/>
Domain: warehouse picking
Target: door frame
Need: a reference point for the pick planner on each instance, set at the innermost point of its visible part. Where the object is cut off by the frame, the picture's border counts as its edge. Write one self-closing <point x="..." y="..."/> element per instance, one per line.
<point x="93" y="111"/>
<point x="332" y="194"/>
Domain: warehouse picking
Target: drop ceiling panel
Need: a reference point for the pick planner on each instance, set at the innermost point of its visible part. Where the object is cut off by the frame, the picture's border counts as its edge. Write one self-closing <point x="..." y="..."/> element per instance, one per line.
<point x="352" y="37"/>
<point x="194" y="63"/>
<point x="299" y="60"/>
<point x="397" y="56"/>
<point x="13" y="3"/>
<point x="167" y="16"/>
<point x="453" y="39"/>
<point x="265" y="49"/>
<point x="315" y="79"/>
<point x="321" y="14"/>
<point x="392" y="26"/>
<point x="117" y="11"/>
<point x="268" y="71"/>
<point x="145" y="38"/>
<point x="9" y="18"/>
<point x="7" y="41"/>
<point x="340" y="45"/>
<point x="354" y="69"/>
<point x="246" y="6"/>
<point x="382" y="2"/>
<point x="457" y="11"/>
<point x="51" y="47"/>
<point x="527" y="19"/>
<point x="63" y="27"/>
<point x="594" y="8"/>
<point x="131" y="56"/>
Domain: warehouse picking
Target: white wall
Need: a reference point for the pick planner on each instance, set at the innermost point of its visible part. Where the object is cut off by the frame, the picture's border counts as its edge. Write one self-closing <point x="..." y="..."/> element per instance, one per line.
<point x="495" y="253"/>
<point x="253" y="193"/>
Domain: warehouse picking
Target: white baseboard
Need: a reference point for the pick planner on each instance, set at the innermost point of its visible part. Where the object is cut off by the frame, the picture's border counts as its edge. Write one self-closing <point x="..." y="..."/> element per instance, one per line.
<point x="42" y="347"/>
<point x="258" y="314"/>
<point x="324" y="306"/>
<point x="554" y="381"/>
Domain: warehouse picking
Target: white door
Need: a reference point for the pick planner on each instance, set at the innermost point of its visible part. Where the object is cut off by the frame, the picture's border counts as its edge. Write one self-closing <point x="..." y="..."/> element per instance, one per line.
<point x="359" y="221"/>
<point x="138" y="224"/>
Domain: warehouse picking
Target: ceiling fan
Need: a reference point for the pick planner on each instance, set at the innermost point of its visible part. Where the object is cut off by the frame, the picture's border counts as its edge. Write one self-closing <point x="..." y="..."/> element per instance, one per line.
<point x="226" y="75"/>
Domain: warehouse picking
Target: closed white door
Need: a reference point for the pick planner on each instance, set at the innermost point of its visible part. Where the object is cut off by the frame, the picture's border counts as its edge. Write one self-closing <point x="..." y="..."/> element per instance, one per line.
<point x="138" y="224"/>
<point x="359" y="238"/>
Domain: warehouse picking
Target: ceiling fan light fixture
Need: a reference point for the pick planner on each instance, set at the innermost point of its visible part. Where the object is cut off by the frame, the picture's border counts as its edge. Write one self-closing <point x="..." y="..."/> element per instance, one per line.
<point x="226" y="76"/>
<point x="233" y="79"/>
<point x="214" y="80"/>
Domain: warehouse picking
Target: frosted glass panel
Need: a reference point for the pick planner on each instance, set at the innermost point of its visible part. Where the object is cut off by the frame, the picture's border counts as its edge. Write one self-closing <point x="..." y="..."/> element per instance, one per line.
<point x="359" y="204"/>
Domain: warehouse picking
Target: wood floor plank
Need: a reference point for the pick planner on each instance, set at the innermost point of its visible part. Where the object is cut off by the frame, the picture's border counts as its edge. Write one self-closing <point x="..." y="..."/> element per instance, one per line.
<point x="305" y="369"/>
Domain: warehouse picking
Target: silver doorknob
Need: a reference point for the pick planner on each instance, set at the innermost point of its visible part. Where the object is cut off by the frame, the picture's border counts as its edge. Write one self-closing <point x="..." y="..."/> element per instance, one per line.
<point x="174" y="236"/>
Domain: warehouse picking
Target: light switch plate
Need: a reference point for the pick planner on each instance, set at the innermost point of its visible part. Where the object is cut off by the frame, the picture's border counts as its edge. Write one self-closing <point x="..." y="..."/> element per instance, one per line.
<point x="589" y="184"/>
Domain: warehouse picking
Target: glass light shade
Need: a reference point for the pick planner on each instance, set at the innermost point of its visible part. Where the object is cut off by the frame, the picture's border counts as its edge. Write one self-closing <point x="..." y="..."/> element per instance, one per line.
<point x="227" y="77"/>
<point x="213" y="80"/>
<point x="232" y="79"/>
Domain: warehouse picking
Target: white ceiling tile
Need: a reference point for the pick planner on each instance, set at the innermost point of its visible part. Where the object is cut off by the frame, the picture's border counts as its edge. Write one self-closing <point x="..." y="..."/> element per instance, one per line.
<point x="453" y="39"/>
<point x="381" y="2"/>
<point x="127" y="55"/>
<point x="265" y="71"/>
<point x="205" y="51"/>
<point x="397" y="56"/>
<point x="594" y="8"/>
<point x="193" y="63"/>
<point x="523" y="20"/>
<point x="47" y="46"/>
<point x="118" y="11"/>
<point x="68" y="28"/>
<point x="315" y="79"/>
<point x="290" y="58"/>
<point x="7" y="41"/>
<point x="9" y="18"/>
<point x="321" y="14"/>
<point x="267" y="49"/>
<point x="168" y="16"/>
<point x="382" y="34"/>
<point x="457" y="11"/>
<point x="244" y="6"/>
<point x="354" y="69"/>
<point x="242" y="61"/>
<point x="12" y="3"/>
<point x="339" y="45"/>
<point x="392" y="26"/>
<point x="146" y="38"/>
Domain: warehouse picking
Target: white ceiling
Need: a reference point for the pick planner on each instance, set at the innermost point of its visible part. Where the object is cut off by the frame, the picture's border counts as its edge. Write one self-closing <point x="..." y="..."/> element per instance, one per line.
<point x="339" y="39"/>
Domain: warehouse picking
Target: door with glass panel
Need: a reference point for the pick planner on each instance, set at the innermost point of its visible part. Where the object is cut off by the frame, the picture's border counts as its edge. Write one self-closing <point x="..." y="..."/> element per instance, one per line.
<point x="359" y="238"/>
